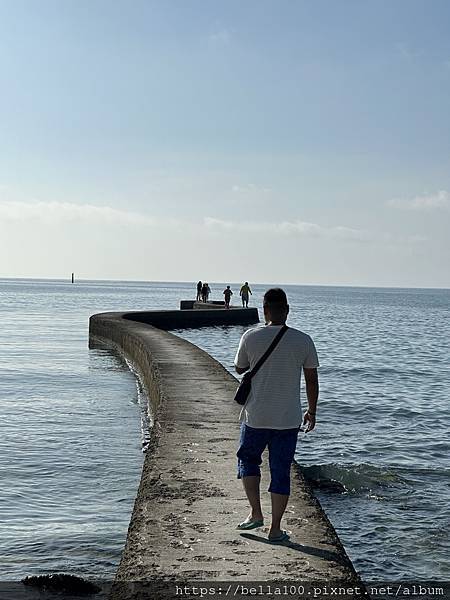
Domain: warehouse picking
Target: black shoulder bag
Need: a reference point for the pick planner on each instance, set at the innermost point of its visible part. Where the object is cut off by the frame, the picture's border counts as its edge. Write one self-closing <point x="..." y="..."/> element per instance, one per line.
<point x="246" y="383"/>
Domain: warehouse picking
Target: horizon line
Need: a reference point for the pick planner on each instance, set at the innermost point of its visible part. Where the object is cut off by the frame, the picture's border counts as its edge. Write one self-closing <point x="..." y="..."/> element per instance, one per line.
<point x="331" y="285"/>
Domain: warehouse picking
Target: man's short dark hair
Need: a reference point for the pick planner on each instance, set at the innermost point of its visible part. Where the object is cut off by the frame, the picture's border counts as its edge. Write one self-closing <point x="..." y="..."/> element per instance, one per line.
<point x="275" y="297"/>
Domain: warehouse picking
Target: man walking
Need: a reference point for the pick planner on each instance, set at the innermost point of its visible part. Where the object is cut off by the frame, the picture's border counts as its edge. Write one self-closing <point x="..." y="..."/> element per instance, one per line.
<point x="245" y="291"/>
<point x="227" y="293"/>
<point x="272" y="413"/>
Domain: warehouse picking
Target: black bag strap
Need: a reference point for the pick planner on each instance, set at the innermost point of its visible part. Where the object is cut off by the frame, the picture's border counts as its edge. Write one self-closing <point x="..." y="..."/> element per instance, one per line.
<point x="268" y="352"/>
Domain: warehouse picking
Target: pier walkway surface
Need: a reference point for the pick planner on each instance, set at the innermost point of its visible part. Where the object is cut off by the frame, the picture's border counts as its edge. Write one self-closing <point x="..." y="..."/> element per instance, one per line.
<point x="189" y="502"/>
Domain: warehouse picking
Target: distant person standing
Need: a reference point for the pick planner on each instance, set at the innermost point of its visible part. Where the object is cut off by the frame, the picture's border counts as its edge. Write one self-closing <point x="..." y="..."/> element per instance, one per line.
<point x="227" y="293"/>
<point x="199" y="291"/>
<point x="206" y="290"/>
<point x="244" y="293"/>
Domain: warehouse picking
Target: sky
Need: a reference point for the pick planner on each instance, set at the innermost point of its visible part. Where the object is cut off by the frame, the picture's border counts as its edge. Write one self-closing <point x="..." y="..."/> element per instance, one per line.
<point x="280" y="141"/>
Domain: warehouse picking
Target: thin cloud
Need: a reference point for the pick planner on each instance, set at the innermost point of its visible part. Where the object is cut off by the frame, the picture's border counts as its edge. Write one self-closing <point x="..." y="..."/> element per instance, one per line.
<point x="438" y="201"/>
<point x="64" y="212"/>
<point x="250" y="188"/>
<point x="221" y="37"/>
<point x="407" y="52"/>
<point x="286" y="228"/>
<point x="310" y="230"/>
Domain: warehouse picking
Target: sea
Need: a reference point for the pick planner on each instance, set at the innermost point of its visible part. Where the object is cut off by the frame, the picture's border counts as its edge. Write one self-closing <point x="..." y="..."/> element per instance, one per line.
<point x="73" y="422"/>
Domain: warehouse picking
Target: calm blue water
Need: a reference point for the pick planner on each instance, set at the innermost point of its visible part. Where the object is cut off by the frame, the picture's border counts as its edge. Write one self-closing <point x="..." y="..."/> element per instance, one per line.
<point x="71" y="419"/>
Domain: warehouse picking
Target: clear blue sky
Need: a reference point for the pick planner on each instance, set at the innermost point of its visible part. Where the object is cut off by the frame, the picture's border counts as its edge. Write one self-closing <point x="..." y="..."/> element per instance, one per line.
<point x="291" y="141"/>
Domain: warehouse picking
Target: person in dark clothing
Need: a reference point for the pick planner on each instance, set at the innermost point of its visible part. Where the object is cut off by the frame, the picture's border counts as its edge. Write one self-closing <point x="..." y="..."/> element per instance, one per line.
<point x="199" y="291"/>
<point x="227" y="293"/>
<point x="206" y="290"/>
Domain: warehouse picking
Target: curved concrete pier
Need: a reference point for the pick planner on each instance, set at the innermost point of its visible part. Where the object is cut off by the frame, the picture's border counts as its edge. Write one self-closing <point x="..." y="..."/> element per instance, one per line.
<point x="183" y="526"/>
<point x="198" y="316"/>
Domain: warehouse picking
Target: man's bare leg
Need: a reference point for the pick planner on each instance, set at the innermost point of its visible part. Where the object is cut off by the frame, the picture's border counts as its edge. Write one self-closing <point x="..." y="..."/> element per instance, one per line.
<point x="251" y="486"/>
<point x="279" y="503"/>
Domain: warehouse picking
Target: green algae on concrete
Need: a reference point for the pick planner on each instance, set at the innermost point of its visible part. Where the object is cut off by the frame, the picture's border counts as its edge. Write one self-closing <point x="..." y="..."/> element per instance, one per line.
<point x="189" y="501"/>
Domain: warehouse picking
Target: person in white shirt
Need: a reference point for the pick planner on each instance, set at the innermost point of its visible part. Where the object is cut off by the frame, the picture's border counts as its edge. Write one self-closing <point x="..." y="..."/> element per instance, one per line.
<point x="272" y="414"/>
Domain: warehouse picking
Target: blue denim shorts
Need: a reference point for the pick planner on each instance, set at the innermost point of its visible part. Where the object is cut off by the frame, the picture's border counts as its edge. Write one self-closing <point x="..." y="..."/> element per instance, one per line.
<point x="281" y="444"/>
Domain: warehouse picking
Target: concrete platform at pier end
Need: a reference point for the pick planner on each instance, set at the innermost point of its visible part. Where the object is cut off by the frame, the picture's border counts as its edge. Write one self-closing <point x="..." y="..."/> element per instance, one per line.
<point x="189" y="502"/>
<point x="213" y="304"/>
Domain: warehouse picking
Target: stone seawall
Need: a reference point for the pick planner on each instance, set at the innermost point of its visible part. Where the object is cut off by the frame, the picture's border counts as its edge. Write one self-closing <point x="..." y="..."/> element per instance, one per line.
<point x="196" y="317"/>
<point x="189" y="501"/>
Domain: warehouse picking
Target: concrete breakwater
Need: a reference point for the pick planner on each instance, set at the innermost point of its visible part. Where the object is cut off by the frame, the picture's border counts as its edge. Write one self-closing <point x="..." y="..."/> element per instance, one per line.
<point x="200" y="315"/>
<point x="189" y="501"/>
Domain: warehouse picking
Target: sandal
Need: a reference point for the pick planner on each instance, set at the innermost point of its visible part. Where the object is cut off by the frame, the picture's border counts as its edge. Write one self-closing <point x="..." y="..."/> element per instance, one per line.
<point x="250" y="524"/>
<point x="283" y="537"/>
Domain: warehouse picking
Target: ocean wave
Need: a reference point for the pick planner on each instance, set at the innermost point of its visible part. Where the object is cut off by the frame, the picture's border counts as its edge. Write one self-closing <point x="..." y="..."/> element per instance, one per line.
<point x="354" y="478"/>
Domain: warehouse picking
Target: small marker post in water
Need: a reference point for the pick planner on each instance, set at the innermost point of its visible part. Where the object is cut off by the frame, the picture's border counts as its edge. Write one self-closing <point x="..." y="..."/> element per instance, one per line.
<point x="72" y="277"/>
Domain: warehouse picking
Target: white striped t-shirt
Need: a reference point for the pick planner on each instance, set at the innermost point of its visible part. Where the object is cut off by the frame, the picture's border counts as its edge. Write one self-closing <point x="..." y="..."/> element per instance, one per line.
<point x="274" y="400"/>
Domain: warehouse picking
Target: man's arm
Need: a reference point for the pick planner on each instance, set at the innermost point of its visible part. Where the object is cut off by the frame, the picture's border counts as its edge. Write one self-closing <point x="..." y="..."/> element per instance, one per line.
<point x="241" y="358"/>
<point x="312" y="394"/>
